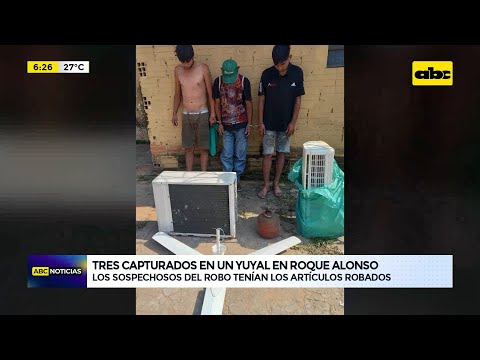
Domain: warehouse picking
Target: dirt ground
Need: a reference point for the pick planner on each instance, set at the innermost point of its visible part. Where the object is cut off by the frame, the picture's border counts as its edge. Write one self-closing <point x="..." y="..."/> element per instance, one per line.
<point x="274" y="301"/>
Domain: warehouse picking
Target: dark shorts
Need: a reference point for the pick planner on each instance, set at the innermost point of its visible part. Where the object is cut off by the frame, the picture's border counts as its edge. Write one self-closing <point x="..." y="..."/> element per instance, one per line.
<point x="196" y="130"/>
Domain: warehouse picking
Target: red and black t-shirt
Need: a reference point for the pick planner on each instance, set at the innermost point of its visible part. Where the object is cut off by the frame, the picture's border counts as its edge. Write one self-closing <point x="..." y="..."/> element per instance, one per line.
<point x="232" y="99"/>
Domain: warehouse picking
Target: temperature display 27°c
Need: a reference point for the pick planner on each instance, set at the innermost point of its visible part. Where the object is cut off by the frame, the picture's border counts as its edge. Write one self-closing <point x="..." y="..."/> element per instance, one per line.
<point x="55" y="67"/>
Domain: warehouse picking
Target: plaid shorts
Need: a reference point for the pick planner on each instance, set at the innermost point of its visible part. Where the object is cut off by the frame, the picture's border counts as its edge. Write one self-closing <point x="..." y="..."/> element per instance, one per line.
<point x="275" y="139"/>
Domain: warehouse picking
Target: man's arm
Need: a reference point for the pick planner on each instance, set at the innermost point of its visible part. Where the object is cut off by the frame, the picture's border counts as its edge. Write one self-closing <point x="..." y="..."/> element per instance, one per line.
<point x="293" y="122"/>
<point x="247" y="95"/>
<point x="176" y="98"/>
<point x="248" y="104"/>
<point x="218" y="112"/>
<point x="298" y="101"/>
<point x="261" y="104"/>
<point x="218" y="109"/>
<point x="208" y="84"/>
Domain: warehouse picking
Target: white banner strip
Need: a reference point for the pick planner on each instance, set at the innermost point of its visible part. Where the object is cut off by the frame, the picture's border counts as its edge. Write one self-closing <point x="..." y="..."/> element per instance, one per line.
<point x="270" y="271"/>
<point x="75" y="67"/>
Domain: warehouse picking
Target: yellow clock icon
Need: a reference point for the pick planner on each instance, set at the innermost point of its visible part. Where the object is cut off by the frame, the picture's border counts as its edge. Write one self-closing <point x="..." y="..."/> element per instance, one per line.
<point x="42" y="66"/>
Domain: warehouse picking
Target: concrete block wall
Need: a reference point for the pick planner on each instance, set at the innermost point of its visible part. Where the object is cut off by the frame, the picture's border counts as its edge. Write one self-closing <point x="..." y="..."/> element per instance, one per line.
<point x="321" y="116"/>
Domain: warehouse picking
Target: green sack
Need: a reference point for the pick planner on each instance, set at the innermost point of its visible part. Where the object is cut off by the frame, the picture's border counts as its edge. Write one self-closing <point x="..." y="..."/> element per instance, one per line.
<point x="319" y="211"/>
<point x="213" y="139"/>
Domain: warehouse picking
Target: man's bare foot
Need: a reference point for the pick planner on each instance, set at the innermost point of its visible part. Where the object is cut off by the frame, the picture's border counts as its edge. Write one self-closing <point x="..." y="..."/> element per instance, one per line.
<point x="277" y="191"/>
<point x="263" y="192"/>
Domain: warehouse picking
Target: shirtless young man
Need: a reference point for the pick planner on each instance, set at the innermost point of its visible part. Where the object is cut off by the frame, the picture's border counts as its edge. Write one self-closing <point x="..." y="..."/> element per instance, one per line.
<point x="193" y="86"/>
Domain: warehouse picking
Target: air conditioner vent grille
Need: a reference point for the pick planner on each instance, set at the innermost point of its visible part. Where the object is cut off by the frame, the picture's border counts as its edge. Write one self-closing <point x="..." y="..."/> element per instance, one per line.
<point x="199" y="209"/>
<point x="317" y="164"/>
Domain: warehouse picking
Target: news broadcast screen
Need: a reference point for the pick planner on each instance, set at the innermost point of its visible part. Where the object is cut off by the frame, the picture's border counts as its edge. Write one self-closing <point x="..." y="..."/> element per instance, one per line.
<point x="223" y="179"/>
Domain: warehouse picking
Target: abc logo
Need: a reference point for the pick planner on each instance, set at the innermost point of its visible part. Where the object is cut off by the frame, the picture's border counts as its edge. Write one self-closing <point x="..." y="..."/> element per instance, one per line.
<point x="40" y="271"/>
<point x="432" y="73"/>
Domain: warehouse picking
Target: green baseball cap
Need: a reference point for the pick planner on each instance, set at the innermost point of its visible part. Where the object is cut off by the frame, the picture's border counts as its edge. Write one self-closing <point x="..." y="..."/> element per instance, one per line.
<point x="229" y="71"/>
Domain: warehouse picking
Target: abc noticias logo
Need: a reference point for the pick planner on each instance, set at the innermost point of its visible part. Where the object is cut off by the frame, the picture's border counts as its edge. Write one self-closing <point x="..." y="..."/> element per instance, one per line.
<point x="47" y="271"/>
<point x="432" y="73"/>
<point x="57" y="271"/>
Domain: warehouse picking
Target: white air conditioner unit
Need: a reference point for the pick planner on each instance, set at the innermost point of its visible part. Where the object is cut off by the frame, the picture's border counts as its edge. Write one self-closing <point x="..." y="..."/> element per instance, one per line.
<point x="196" y="202"/>
<point x="317" y="164"/>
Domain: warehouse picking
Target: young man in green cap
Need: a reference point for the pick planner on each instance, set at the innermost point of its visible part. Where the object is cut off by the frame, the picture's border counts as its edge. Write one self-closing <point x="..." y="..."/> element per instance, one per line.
<point x="233" y="106"/>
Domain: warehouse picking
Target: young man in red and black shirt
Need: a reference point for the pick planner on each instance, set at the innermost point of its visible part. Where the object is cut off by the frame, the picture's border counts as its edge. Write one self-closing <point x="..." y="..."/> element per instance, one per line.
<point x="233" y="106"/>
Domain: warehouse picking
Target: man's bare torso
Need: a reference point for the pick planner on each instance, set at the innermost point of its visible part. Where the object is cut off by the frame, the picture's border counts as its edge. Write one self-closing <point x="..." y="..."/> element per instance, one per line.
<point x="194" y="92"/>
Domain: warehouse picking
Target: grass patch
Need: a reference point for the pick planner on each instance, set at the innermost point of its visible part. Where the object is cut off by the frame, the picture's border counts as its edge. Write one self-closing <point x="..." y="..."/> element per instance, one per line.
<point x="320" y="246"/>
<point x="146" y="177"/>
<point x="141" y="224"/>
<point x="328" y="239"/>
